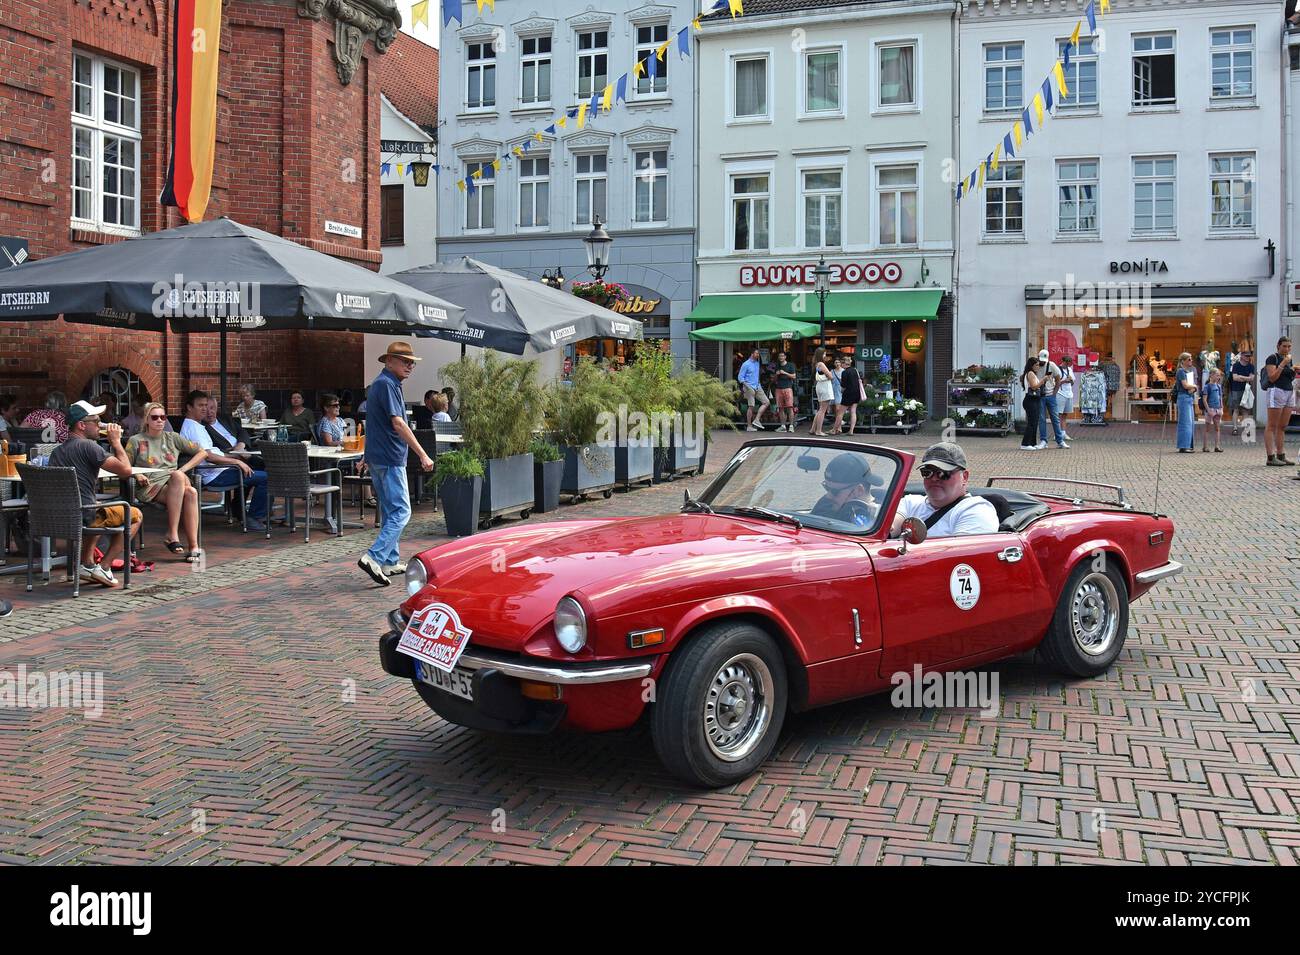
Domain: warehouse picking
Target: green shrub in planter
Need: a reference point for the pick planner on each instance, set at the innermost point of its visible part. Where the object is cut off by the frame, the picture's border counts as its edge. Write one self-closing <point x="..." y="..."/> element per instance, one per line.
<point x="548" y="469"/>
<point x="459" y="476"/>
<point x="578" y="415"/>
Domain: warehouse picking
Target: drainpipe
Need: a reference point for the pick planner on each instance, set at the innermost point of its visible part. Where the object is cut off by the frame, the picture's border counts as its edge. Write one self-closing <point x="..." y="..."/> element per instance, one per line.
<point x="1288" y="130"/>
<point x="956" y="206"/>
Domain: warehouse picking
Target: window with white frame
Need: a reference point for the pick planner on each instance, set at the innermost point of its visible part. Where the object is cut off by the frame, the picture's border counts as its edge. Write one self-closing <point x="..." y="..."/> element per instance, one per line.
<point x="481" y="75"/>
<point x="480" y="205"/>
<point x="591" y="181"/>
<point x="1153" y="70"/>
<point x="1004" y="76"/>
<point x="750" y="212"/>
<point x="593" y="62"/>
<point x="750" y="87"/>
<point x="648" y="40"/>
<point x="535" y="70"/>
<point x="822" y="81"/>
<point x="1232" y="64"/>
<point x="897" y="194"/>
<point x="105" y="144"/>
<point x="1080" y="75"/>
<point x="1232" y="192"/>
<point x="897" y="63"/>
<point x="1077" y="192"/>
<point x="1155" y="195"/>
<point x="1004" y="200"/>
<point x="534" y="192"/>
<point x="651" y="192"/>
<point x="823" y="198"/>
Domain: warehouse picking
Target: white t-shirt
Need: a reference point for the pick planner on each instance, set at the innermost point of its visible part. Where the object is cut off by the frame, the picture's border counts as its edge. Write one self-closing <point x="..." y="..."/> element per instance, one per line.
<point x="1066" y="388"/>
<point x="973" y="515"/>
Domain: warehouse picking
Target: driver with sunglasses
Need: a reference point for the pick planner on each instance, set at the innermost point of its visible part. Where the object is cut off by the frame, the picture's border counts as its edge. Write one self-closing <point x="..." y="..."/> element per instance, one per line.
<point x="847" y="497"/>
<point x="943" y="469"/>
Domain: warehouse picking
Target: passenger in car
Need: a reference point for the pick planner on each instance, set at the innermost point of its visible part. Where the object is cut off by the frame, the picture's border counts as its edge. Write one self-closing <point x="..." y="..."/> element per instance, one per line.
<point x="847" y="497"/>
<point x="945" y="507"/>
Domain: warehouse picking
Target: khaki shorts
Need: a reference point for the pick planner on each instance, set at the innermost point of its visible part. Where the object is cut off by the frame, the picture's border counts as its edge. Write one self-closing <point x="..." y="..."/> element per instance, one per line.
<point x="752" y="394"/>
<point x="112" y="517"/>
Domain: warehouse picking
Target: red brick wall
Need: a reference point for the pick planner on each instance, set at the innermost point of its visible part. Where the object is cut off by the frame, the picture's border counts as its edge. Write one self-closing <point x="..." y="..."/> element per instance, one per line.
<point x="285" y="127"/>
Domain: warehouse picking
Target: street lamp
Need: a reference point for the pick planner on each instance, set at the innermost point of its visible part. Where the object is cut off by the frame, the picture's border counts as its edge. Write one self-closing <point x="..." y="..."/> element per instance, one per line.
<point x="598" y="244"/>
<point x="555" y="281"/>
<point x="822" y="287"/>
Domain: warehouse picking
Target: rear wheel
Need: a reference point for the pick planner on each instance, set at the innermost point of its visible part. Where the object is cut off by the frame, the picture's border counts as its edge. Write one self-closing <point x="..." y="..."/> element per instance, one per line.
<point x="721" y="705"/>
<point x="1090" y="623"/>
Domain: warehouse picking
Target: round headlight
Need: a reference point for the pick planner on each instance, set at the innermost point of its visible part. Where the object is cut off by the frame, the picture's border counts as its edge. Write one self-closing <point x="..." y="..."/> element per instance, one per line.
<point x="416" y="576"/>
<point x="570" y="625"/>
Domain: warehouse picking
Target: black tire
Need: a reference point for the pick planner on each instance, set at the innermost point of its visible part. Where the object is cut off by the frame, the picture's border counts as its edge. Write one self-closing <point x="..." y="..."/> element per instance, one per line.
<point x="607" y="494"/>
<point x="1090" y="623"/>
<point x="523" y="515"/>
<point x="694" y="684"/>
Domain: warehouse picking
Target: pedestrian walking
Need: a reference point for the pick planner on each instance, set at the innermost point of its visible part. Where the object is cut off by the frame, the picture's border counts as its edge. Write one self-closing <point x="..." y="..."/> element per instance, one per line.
<point x="850" y="395"/>
<point x="1279" y="378"/>
<point x="824" y="390"/>
<point x="1185" y="383"/>
<point x="784" y="388"/>
<point x="1241" y="379"/>
<point x="752" y="386"/>
<point x="1212" y="404"/>
<point x="1050" y="378"/>
<point x="1033" y="405"/>
<point x="388" y="437"/>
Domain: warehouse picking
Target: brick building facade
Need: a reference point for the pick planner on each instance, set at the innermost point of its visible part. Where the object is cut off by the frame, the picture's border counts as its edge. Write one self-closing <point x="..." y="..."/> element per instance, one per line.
<point x="295" y="144"/>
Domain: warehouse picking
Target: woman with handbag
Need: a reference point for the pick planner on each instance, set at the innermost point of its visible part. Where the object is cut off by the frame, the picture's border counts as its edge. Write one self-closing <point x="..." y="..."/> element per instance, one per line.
<point x="1186" y="390"/>
<point x="1033" y="404"/>
<point x="825" y="391"/>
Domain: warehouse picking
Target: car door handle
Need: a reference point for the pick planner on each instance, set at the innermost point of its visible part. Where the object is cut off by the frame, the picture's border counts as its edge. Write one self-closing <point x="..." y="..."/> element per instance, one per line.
<point x="1011" y="554"/>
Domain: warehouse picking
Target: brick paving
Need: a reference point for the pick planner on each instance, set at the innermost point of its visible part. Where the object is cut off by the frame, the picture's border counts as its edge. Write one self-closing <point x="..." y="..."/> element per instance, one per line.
<point x="246" y="720"/>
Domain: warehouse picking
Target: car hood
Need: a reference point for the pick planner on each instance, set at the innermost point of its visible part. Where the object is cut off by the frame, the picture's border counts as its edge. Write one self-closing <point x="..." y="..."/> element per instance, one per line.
<point x="505" y="584"/>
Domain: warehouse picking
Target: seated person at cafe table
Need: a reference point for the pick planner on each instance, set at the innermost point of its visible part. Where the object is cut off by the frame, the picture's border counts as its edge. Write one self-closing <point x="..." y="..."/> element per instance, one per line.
<point x="249" y="407"/>
<point x="223" y="478"/>
<point x="423" y="414"/>
<point x="298" y="419"/>
<point x="156" y="447"/>
<point x="332" y="428"/>
<point x="51" y="419"/>
<point x="81" y="453"/>
<point x="439" y="405"/>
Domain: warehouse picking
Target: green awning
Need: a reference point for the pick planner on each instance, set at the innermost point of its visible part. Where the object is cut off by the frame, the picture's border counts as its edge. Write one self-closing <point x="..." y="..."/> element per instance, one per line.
<point x="757" y="328"/>
<point x="881" y="305"/>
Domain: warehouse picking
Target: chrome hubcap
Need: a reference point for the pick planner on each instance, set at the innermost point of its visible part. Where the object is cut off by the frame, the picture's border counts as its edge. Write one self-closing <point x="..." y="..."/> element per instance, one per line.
<point x="1093" y="616"/>
<point x="738" y="707"/>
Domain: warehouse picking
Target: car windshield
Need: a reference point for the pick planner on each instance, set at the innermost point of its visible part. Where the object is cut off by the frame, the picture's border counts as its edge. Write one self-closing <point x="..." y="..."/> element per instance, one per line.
<point x="827" y="488"/>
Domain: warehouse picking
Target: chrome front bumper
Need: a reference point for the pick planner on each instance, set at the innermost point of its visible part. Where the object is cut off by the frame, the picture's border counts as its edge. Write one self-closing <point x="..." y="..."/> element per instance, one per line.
<point x="1156" y="574"/>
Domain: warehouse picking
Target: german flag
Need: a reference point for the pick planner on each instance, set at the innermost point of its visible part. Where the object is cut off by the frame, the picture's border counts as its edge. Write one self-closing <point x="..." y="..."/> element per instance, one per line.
<point x="196" y="47"/>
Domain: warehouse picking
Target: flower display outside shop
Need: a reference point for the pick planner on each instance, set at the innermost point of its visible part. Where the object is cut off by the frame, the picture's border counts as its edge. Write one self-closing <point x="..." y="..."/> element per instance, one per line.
<point x="602" y="293"/>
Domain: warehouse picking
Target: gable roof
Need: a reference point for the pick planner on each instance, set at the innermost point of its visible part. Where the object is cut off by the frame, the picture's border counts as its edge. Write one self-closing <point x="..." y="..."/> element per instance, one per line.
<point x="408" y="76"/>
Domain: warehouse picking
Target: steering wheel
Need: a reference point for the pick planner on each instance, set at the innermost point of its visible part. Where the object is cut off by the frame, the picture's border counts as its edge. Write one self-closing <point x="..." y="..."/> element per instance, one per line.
<point x="859" y="512"/>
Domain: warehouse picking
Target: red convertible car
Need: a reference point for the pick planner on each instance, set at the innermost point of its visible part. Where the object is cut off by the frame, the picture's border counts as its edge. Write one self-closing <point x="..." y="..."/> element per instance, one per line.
<point x="757" y="599"/>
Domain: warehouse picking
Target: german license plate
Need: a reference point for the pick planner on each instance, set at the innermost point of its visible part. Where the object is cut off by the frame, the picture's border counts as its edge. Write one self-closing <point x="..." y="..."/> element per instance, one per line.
<point x="459" y="682"/>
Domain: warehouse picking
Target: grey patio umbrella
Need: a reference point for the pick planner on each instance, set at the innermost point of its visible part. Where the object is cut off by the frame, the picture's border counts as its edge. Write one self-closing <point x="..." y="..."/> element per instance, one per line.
<point x="217" y="276"/>
<point x="509" y="312"/>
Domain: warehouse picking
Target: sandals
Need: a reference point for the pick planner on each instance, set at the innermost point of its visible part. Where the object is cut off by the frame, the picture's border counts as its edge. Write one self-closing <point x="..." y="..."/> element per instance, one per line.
<point x="194" y="556"/>
<point x="176" y="547"/>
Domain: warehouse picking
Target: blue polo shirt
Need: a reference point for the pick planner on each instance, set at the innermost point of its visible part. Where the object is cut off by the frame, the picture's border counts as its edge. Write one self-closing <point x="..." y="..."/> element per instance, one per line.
<point x="384" y="446"/>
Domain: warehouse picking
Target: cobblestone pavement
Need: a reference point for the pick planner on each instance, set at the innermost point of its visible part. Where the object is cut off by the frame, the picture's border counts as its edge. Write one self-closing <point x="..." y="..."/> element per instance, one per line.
<point x="246" y="719"/>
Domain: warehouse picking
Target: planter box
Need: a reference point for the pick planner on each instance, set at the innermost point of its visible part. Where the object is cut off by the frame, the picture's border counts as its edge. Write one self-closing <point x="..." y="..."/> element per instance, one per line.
<point x="587" y="469"/>
<point x="508" y="485"/>
<point x="547" y="476"/>
<point x="634" y="463"/>
<point x="674" y="459"/>
<point x="460" y="502"/>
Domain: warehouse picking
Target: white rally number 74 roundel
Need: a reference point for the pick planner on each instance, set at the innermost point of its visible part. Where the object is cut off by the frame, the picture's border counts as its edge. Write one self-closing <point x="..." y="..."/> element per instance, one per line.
<point x="436" y="636"/>
<point x="964" y="585"/>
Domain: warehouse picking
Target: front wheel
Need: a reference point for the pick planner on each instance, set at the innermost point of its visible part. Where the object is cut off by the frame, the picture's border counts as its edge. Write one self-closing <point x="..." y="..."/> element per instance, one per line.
<point x="721" y="705"/>
<point x="1091" y="621"/>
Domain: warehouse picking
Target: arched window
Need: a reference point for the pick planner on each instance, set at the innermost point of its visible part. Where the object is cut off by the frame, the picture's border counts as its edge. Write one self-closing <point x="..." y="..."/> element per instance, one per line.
<point x="121" y="385"/>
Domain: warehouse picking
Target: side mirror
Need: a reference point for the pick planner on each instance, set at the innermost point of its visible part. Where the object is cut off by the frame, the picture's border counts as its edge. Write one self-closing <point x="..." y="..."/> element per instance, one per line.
<point x="914" y="532"/>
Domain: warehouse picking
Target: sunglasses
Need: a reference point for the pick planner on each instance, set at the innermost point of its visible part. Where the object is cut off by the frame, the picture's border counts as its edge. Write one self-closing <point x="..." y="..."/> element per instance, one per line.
<point x="937" y="473"/>
<point x="836" y="488"/>
<point x="157" y="417"/>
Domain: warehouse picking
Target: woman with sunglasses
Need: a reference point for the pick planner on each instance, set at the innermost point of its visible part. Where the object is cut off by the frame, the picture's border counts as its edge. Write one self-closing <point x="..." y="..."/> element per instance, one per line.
<point x="332" y="427"/>
<point x="156" y="447"/>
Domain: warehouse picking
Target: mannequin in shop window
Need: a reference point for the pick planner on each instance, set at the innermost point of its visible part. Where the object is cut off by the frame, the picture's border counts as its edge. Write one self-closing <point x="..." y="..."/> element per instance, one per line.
<point x="1138" y="370"/>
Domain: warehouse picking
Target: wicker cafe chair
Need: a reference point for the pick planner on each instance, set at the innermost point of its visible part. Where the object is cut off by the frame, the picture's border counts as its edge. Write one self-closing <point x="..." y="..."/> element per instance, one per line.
<point x="54" y="511"/>
<point x="289" y="475"/>
<point x="11" y="506"/>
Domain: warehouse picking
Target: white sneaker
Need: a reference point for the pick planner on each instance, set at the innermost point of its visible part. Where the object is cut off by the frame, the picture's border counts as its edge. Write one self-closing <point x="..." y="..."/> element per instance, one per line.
<point x="394" y="570"/>
<point x="1064" y="446"/>
<point x="759" y="425"/>
<point x="1029" y="447"/>
<point x="1064" y="436"/>
<point x="1040" y="446"/>
<point x="99" y="575"/>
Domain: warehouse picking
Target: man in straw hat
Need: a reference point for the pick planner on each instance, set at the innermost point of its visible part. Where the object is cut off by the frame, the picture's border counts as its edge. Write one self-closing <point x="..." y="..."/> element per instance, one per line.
<point x="387" y="438"/>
